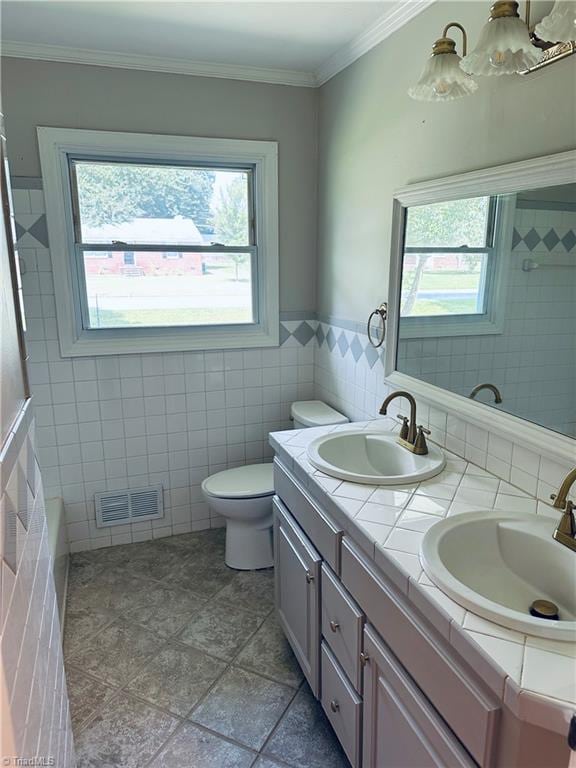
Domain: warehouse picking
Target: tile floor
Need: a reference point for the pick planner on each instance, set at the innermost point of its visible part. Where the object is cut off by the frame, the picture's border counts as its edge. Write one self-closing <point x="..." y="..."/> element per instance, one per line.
<point x="173" y="660"/>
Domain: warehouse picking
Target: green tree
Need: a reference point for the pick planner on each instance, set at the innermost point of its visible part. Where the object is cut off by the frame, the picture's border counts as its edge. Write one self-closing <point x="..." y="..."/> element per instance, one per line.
<point x="113" y="193"/>
<point x="453" y="223"/>
<point x="231" y="218"/>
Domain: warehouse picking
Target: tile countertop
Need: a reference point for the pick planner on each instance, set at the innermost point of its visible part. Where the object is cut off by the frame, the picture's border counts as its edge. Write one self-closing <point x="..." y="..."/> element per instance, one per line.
<point x="534" y="676"/>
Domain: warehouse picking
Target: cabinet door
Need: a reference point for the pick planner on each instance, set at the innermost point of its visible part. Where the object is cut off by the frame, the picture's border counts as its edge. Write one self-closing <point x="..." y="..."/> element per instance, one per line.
<point x="297" y="575"/>
<point x="401" y="728"/>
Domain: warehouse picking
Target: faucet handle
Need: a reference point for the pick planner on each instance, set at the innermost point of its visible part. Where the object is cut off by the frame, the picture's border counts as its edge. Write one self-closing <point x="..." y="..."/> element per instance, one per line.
<point x="404" y="430"/>
<point x="420" y="445"/>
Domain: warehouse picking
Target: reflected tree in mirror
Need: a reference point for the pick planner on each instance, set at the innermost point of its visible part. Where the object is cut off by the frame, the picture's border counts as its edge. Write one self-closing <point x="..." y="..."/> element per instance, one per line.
<point x="446" y="257"/>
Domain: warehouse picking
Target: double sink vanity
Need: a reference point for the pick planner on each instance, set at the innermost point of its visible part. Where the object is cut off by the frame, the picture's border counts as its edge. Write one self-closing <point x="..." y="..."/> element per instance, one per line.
<point x="426" y="583"/>
<point x="379" y="615"/>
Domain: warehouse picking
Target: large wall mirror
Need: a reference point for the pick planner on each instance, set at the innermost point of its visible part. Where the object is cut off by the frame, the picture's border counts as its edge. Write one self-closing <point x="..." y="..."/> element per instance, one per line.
<point x="485" y="284"/>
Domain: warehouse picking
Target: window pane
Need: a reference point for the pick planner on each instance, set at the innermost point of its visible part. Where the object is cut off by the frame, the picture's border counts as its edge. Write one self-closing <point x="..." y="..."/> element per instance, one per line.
<point x="157" y="204"/>
<point x="443" y="284"/>
<point x="455" y="223"/>
<point x="145" y="288"/>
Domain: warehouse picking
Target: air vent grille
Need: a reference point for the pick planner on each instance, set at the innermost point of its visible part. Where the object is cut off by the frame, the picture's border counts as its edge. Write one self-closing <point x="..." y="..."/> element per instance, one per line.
<point x="121" y="507"/>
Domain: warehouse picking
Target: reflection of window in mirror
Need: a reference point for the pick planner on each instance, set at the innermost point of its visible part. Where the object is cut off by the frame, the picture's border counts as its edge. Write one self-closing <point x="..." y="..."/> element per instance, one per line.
<point x="451" y="276"/>
<point x="488" y="297"/>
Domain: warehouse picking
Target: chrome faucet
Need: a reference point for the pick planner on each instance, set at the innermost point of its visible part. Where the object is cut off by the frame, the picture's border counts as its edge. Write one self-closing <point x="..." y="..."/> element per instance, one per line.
<point x="565" y="531"/>
<point x="412" y="437"/>
<point x="492" y="387"/>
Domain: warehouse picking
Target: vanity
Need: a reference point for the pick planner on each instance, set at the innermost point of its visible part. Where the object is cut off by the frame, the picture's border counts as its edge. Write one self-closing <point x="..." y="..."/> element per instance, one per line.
<point x="400" y="584"/>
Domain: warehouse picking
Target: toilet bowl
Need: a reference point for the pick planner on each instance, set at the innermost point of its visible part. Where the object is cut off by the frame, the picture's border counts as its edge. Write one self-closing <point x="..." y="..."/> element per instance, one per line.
<point x="243" y="496"/>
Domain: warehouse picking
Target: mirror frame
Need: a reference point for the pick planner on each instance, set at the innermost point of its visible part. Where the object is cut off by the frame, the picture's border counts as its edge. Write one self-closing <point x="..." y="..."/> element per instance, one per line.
<point x="547" y="171"/>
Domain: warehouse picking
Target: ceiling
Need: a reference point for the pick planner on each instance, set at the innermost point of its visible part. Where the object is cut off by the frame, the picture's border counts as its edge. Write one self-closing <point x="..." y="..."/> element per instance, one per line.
<point x="300" y="43"/>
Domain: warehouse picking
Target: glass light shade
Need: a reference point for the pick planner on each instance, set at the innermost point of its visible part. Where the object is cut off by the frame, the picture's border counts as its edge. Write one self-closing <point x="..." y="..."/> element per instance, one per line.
<point x="504" y="48"/>
<point x="442" y="80"/>
<point x="560" y="24"/>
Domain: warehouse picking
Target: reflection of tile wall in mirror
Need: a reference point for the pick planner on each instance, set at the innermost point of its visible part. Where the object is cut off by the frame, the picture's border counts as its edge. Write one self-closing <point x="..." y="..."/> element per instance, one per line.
<point x="531" y="358"/>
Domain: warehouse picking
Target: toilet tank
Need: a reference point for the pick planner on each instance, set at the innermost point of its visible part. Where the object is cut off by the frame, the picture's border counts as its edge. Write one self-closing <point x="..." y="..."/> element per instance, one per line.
<point x="315" y="413"/>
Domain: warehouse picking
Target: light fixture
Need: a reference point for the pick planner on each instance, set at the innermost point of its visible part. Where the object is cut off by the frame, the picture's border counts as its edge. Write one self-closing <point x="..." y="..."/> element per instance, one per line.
<point x="504" y="47"/>
<point x="560" y="24"/>
<point x="442" y="78"/>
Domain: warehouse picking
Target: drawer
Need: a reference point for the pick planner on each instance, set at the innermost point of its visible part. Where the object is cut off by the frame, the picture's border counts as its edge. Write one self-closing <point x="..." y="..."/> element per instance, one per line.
<point x="325" y="536"/>
<point x="471" y="711"/>
<point x="342" y="623"/>
<point x="342" y="705"/>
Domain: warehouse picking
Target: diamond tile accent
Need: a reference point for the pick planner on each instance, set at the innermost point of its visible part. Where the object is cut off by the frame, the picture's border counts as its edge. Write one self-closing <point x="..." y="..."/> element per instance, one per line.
<point x="516" y="238"/>
<point x="343" y="345"/>
<point x="371" y="355"/>
<point x="551" y="239"/>
<point x="32" y="231"/>
<point x="532" y="238"/>
<point x="569" y="240"/>
<point x="284" y="334"/>
<point x="304" y="333"/>
<point x="356" y="348"/>
<point x="331" y="339"/>
<point x="320" y="335"/>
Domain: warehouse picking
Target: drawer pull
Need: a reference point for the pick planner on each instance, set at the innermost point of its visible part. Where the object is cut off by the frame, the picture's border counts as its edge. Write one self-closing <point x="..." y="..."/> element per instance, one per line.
<point x="309" y="577"/>
<point x="364" y="658"/>
<point x="334" y="626"/>
<point x="334" y="706"/>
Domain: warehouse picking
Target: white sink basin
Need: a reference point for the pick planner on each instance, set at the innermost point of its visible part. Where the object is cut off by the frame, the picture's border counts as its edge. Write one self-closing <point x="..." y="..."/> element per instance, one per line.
<point x="361" y="456"/>
<point x="497" y="563"/>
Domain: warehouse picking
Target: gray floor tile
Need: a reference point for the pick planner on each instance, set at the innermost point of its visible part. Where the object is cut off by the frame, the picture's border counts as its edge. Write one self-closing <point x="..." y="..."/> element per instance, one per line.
<point x="114" y="589"/>
<point x="166" y="609"/>
<point x="243" y="706"/>
<point x="191" y="747"/>
<point x="81" y="625"/>
<point x="124" y="734"/>
<point x="251" y="590"/>
<point x="205" y="580"/>
<point x="270" y="654"/>
<point x="220" y="632"/>
<point x="205" y="547"/>
<point x="176" y="678"/>
<point x="117" y="653"/>
<point x="304" y="738"/>
<point x="266" y="762"/>
<point x="82" y="572"/>
<point x="85" y="695"/>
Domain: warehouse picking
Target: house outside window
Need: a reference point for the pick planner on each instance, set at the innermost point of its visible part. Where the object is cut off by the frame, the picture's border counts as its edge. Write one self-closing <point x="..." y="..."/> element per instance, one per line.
<point x="189" y="229"/>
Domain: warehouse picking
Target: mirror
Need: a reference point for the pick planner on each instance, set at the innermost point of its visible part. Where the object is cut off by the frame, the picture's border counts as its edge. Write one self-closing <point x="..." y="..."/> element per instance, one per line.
<point x="487" y="305"/>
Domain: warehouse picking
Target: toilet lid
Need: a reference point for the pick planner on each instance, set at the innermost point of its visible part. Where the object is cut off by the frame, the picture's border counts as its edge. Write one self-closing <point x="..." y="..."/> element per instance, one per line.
<point x="241" y="482"/>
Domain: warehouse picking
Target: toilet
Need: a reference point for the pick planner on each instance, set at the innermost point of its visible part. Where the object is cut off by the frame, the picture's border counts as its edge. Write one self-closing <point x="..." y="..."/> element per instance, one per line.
<point x="243" y="496"/>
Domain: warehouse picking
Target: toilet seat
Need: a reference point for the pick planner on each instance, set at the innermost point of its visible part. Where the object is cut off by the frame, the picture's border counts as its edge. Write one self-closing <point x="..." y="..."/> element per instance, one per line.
<point x="249" y="482"/>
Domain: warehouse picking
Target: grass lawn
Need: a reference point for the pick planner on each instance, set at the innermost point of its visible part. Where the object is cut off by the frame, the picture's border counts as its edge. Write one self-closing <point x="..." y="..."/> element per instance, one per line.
<point x="428" y="307"/>
<point x="108" y="318"/>
<point x="443" y="280"/>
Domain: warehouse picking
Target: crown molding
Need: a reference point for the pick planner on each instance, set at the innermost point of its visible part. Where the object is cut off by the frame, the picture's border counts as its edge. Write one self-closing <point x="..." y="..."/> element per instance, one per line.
<point x="115" y="59"/>
<point x="398" y="14"/>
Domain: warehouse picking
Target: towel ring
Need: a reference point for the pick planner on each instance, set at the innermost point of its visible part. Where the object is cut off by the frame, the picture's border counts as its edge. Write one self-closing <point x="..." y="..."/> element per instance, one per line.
<point x="382" y="313"/>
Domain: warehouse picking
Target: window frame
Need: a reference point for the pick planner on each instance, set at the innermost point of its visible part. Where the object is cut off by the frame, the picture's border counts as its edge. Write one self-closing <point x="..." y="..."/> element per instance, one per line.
<point x="59" y="146"/>
<point x="491" y="321"/>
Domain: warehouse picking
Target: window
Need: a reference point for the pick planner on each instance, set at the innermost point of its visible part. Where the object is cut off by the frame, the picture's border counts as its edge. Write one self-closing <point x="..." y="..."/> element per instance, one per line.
<point x="169" y="242"/>
<point x="452" y="267"/>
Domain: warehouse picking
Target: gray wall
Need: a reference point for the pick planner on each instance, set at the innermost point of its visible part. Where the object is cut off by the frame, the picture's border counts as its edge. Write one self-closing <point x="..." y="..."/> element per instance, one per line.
<point x="373" y="139"/>
<point x="75" y="96"/>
